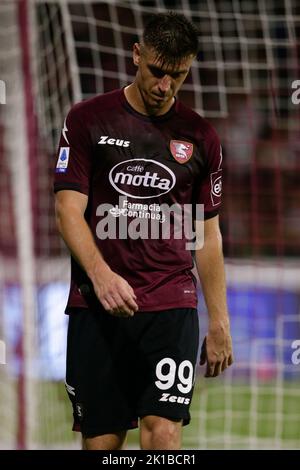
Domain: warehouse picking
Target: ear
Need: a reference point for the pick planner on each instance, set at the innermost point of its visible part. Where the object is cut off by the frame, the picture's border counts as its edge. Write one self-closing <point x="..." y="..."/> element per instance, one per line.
<point x="136" y="53"/>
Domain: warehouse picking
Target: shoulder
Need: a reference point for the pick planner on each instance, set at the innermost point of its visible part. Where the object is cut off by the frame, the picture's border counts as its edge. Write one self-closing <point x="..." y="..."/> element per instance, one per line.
<point x="99" y="104"/>
<point x="201" y="127"/>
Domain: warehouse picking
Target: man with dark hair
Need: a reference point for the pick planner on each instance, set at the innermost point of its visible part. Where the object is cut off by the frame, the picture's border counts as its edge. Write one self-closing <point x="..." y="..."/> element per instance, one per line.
<point x="125" y="157"/>
<point x="172" y="36"/>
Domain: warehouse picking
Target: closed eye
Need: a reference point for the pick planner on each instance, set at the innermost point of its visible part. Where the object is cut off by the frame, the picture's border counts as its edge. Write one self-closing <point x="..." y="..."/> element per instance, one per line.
<point x="156" y="72"/>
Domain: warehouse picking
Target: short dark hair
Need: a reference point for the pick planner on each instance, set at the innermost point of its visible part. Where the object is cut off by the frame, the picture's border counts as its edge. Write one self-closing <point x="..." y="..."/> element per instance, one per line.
<point x="172" y="36"/>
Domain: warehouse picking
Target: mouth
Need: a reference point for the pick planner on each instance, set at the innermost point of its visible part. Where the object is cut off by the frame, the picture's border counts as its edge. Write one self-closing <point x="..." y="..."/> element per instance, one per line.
<point x="158" y="97"/>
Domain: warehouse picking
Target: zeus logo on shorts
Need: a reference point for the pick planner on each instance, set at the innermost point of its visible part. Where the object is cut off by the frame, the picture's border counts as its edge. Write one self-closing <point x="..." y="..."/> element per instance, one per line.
<point x="104" y="139"/>
<point x="142" y="178"/>
<point x="174" y="399"/>
<point x="70" y="389"/>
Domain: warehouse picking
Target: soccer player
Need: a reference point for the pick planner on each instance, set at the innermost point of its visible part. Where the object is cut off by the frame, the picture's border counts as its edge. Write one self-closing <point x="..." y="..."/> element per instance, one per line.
<point x="133" y="327"/>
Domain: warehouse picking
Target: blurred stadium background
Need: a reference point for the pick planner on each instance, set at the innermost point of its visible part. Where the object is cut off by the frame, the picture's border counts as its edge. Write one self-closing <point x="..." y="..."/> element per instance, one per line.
<point x="55" y="53"/>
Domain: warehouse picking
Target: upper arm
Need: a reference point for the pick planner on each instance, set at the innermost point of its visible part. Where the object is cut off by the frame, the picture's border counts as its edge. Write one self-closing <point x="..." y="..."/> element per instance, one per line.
<point x="68" y="202"/>
<point x="207" y="230"/>
<point x="212" y="228"/>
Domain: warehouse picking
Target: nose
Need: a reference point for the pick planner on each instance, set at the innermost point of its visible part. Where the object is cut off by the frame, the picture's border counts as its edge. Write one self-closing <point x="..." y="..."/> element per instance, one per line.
<point x="164" y="83"/>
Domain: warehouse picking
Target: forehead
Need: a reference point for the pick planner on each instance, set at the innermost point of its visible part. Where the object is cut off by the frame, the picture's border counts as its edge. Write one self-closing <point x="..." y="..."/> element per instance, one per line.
<point x="152" y="58"/>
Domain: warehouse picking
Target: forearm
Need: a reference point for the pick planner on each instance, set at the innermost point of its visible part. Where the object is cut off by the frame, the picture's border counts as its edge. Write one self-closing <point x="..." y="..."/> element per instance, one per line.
<point x="80" y="241"/>
<point x="113" y="291"/>
<point x="210" y="267"/>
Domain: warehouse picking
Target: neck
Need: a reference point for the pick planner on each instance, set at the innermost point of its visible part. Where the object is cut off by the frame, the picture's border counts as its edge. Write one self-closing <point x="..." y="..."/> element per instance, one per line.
<point x="136" y="100"/>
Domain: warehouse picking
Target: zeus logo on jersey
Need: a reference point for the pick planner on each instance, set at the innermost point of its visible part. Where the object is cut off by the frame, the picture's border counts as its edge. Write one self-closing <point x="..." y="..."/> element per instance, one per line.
<point x="104" y="139"/>
<point x="142" y="178"/>
<point x="63" y="160"/>
<point x="174" y="399"/>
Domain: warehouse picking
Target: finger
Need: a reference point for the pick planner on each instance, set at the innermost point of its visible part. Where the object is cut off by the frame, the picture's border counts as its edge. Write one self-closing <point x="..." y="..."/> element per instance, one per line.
<point x="117" y="312"/>
<point x="133" y="294"/>
<point x="119" y="300"/>
<point x="114" y="309"/>
<point x="131" y="303"/>
<point x="105" y="305"/>
<point x="122" y="308"/>
<point x="209" y="370"/>
<point x="120" y="313"/>
<point x="129" y="300"/>
<point x="131" y="291"/>
<point x="224" y="364"/>
<point x="217" y="370"/>
<point x="111" y="302"/>
<point x="203" y="353"/>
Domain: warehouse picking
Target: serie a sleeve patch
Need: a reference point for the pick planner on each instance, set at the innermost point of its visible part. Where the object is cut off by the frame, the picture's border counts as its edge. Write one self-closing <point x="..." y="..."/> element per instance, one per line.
<point x="63" y="160"/>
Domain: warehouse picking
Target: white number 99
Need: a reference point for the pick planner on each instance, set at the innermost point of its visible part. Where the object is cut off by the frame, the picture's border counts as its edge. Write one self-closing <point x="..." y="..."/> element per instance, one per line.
<point x="186" y="382"/>
<point x="165" y="380"/>
<point x="166" y="372"/>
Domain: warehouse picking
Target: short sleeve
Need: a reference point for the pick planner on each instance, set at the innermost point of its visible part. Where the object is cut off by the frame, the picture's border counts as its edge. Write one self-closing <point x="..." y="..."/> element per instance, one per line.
<point x="210" y="189"/>
<point x="74" y="155"/>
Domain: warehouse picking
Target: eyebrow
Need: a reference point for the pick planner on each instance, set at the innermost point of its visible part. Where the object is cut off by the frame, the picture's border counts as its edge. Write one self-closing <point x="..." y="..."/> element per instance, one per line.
<point x="158" y="69"/>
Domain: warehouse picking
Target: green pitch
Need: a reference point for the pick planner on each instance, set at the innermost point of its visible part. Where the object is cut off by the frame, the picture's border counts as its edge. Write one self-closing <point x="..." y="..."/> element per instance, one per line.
<point x="224" y="416"/>
<point x="242" y="417"/>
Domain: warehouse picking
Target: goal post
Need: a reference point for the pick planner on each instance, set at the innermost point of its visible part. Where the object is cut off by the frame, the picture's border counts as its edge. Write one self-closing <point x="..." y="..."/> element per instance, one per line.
<point x="17" y="121"/>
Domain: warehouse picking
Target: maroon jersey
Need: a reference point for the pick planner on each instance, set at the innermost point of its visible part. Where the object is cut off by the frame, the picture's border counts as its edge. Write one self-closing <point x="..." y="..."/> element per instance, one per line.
<point x="135" y="164"/>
